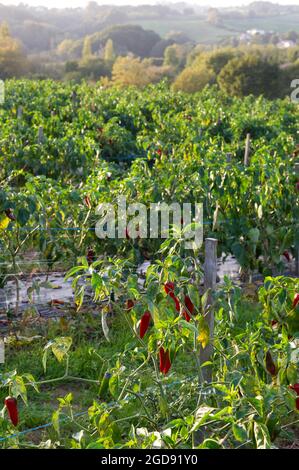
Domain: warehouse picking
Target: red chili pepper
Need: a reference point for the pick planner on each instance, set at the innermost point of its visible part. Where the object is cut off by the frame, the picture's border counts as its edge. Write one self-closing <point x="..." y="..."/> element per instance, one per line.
<point x="186" y="315"/>
<point x="296" y="300"/>
<point x="144" y="324"/>
<point x="189" y="309"/>
<point x="169" y="287"/>
<point x="287" y="256"/>
<point x="165" y="363"/>
<point x="12" y="409"/>
<point x="189" y="304"/>
<point x="90" y="256"/>
<point x="295" y="387"/>
<point x="87" y="202"/>
<point x="130" y="304"/>
<point x="159" y="152"/>
<point x="270" y="366"/>
<point x="176" y="300"/>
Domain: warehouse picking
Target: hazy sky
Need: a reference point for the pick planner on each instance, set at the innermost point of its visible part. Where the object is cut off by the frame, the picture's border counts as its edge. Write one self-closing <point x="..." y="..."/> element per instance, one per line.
<point x="76" y="3"/>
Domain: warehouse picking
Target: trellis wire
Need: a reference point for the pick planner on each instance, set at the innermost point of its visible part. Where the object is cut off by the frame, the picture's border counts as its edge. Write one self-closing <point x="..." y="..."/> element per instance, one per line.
<point x="205" y="222"/>
<point x="82" y="413"/>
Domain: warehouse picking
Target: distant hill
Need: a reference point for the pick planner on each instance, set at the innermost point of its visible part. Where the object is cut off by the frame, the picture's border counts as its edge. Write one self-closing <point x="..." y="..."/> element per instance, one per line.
<point x="42" y="30"/>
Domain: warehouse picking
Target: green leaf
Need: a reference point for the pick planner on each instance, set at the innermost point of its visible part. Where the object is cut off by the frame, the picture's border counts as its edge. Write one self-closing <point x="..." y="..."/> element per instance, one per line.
<point x="239" y="432"/>
<point x="204" y="300"/>
<point x="292" y="373"/>
<point x="18" y="388"/>
<point x="210" y="444"/>
<point x="114" y="386"/>
<point x="60" y="347"/>
<point x="262" y="437"/>
<point x="55" y="420"/>
<point x="254" y="235"/>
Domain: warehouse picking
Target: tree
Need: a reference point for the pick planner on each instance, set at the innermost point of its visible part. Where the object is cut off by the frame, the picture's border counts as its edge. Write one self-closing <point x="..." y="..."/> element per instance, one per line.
<point x="87" y="49"/>
<point x="109" y="54"/>
<point x="218" y="59"/>
<point x="214" y="17"/>
<point x="4" y="31"/>
<point x="171" y="57"/>
<point x="179" y="37"/>
<point x="130" y="71"/>
<point x="194" y="79"/>
<point x="92" y="8"/>
<point x="13" y="61"/>
<point x="251" y="74"/>
<point x="69" y="49"/>
<point x="91" y="69"/>
<point x="126" y="39"/>
<point x="175" y="56"/>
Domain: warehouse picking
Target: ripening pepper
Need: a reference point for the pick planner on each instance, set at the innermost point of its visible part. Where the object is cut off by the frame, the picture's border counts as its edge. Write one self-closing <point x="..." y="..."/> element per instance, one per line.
<point x="296" y="300"/>
<point x="186" y="315"/>
<point x="270" y="366"/>
<point x="286" y="254"/>
<point x="12" y="409"/>
<point x="189" y="304"/>
<point x="165" y="363"/>
<point x="169" y="289"/>
<point x="144" y="324"/>
<point x="87" y="202"/>
<point x="90" y="256"/>
<point x="189" y="308"/>
<point x="130" y="304"/>
<point x="176" y="301"/>
<point x="295" y="387"/>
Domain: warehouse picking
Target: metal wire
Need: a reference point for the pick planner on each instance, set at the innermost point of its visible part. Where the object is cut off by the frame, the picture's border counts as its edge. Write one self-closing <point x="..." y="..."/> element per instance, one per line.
<point x="82" y="413"/>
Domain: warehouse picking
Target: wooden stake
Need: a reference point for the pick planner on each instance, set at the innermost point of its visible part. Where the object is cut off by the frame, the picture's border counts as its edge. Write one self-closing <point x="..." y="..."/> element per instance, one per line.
<point x="296" y="240"/>
<point x="41" y="137"/>
<point x="20" y="112"/>
<point x="210" y="279"/>
<point x="247" y="151"/>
